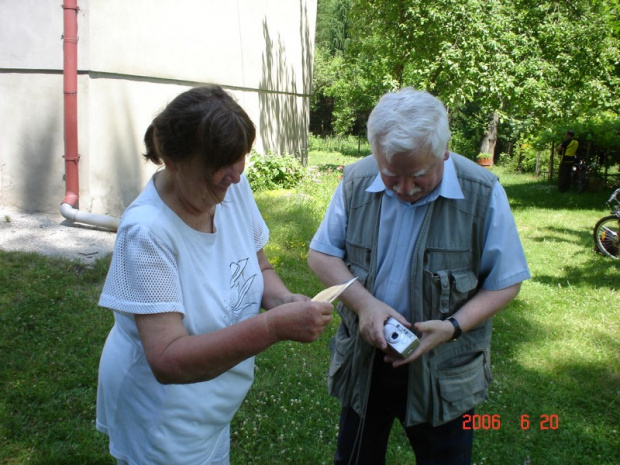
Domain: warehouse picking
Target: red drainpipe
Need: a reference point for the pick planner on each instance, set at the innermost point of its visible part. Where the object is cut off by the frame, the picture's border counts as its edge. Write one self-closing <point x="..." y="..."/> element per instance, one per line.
<point x="72" y="158"/>
<point x="70" y="202"/>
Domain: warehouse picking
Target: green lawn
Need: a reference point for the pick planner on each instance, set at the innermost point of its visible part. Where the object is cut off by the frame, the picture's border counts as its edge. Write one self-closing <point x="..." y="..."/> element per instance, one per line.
<point x="556" y="349"/>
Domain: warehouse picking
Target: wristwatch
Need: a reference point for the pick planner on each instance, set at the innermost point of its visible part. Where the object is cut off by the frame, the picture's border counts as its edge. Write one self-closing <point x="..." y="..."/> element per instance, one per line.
<point x="457" y="328"/>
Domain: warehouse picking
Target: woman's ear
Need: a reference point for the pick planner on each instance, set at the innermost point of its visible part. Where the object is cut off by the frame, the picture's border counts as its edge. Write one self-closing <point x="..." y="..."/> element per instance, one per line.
<point x="170" y="165"/>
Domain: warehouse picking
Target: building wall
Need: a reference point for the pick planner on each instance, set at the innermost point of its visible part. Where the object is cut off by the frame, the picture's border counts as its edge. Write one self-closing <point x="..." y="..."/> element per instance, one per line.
<point x="133" y="58"/>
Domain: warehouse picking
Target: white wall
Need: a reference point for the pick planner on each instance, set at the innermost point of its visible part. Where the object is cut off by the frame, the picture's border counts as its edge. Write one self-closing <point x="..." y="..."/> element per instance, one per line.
<point x="133" y="57"/>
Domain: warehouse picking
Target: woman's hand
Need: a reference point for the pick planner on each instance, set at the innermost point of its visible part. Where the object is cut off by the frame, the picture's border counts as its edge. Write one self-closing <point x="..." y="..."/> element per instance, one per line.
<point x="285" y="299"/>
<point x="301" y="321"/>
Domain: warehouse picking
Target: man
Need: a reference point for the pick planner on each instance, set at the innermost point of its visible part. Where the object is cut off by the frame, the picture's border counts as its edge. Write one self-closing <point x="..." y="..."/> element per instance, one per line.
<point x="432" y="241"/>
<point x="568" y="149"/>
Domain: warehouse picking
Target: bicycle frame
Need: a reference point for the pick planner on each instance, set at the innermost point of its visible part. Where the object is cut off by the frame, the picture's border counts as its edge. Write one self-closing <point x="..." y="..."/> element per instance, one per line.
<point x="606" y="232"/>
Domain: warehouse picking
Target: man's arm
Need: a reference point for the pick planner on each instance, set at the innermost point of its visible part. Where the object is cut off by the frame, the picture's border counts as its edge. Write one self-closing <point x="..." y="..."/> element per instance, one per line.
<point x="372" y="312"/>
<point x="482" y="306"/>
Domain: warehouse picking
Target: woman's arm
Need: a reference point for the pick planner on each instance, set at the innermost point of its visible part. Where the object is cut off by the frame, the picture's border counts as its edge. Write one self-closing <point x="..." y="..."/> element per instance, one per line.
<point x="177" y="357"/>
<point x="371" y="311"/>
<point x="275" y="291"/>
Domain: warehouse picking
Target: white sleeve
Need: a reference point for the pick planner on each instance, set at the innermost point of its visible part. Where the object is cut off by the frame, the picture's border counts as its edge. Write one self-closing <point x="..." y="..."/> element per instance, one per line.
<point x="143" y="276"/>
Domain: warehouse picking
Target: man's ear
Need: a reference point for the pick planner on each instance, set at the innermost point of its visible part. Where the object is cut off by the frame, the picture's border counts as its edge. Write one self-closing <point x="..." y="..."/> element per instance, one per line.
<point x="446" y="155"/>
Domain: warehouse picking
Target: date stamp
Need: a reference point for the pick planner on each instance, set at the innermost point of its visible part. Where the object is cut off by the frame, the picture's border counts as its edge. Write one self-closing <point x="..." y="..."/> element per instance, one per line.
<point x="494" y="422"/>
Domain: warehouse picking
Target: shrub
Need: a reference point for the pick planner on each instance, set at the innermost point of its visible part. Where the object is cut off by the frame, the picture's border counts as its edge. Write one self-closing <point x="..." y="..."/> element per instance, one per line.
<point x="504" y="159"/>
<point x="271" y="171"/>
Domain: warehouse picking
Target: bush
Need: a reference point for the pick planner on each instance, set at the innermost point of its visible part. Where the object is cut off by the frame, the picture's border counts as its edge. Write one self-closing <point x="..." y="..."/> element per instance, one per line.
<point x="266" y="172"/>
<point x="526" y="156"/>
<point x="504" y="159"/>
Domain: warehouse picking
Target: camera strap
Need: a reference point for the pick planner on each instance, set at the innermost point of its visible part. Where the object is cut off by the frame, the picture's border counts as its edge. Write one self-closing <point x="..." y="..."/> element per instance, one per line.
<point x="354" y="459"/>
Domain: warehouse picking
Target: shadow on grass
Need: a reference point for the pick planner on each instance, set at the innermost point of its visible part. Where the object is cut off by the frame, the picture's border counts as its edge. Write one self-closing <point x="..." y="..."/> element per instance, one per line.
<point x="545" y="195"/>
<point x="553" y="410"/>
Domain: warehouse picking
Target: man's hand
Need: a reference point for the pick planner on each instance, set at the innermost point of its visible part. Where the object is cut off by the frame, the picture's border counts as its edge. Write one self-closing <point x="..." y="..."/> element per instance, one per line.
<point x="434" y="333"/>
<point x="372" y="319"/>
<point x="482" y="306"/>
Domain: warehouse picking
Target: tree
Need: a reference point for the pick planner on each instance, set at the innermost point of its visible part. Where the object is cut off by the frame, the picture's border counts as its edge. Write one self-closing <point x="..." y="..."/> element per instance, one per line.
<point x="521" y="65"/>
<point x="332" y="34"/>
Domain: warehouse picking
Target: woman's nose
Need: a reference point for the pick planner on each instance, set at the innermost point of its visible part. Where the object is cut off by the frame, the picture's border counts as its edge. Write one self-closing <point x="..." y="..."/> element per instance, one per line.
<point x="236" y="171"/>
<point x="235" y="176"/>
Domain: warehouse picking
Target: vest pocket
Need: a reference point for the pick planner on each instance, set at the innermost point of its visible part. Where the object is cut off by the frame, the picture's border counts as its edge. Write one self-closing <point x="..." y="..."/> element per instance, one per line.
<point x="459" y="389"/>
<point x="445" y="291"/>
<point x="358" y="261"/>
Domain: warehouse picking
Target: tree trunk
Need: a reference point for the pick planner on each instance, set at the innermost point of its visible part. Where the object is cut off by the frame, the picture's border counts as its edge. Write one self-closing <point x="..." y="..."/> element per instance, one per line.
<point x="489" y="139"/>
<point x="551" y="153"/>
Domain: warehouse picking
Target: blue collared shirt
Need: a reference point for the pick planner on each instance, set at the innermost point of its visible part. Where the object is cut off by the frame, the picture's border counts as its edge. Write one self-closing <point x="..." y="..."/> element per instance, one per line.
<point x="502" y="263"/>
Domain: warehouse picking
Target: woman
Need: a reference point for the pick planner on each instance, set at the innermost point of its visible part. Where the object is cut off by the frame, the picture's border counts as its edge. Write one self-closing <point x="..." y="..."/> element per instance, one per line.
<point x="187" y="280"/>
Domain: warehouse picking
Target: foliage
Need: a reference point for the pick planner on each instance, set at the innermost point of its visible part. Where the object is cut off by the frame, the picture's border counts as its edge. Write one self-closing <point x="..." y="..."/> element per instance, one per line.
<point x="527" y="158"/>
<point x="332" y="36"/>
<point x="534" y="63"/>
<point x="332" y="25"/>
<point x="463" y="143"/>
<point x="272" y="171"/>
<point x="326" y="72"/>
<point x="503" y="160"/>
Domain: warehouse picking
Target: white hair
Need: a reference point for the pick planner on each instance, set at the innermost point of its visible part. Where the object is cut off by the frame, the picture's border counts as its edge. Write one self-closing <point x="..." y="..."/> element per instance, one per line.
<point x="409" y="121"/>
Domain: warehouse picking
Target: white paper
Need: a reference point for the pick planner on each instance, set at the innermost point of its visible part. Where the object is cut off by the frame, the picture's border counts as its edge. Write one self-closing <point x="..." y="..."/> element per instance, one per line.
<point x="331" y="293"/>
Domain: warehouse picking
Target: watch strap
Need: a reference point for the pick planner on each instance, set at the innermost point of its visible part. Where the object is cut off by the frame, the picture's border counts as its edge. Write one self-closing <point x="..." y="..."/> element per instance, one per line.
<point x="457" y="328"/>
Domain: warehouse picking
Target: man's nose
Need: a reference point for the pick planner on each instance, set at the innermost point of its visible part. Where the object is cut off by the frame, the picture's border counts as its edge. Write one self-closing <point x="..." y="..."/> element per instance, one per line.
<point x="406" y="185"/>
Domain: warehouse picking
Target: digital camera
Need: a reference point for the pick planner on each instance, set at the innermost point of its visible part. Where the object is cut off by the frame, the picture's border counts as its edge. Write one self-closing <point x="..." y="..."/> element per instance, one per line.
<point x="399" y="338"/>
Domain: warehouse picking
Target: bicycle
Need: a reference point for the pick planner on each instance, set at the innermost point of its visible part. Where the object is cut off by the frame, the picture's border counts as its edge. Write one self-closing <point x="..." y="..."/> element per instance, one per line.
<point x="607" y="229"/>
<point x="579" y="174"/>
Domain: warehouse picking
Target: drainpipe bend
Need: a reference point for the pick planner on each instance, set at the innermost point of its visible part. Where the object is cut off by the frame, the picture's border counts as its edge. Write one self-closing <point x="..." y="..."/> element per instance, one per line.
<point x="76" y="216"/>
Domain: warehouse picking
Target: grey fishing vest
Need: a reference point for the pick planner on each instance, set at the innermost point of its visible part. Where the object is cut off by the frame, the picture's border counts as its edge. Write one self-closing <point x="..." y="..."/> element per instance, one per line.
<point x="452" y="378"/>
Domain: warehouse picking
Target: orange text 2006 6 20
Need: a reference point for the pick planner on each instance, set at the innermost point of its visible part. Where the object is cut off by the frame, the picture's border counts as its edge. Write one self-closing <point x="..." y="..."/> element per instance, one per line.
<point x="494" y="421"/>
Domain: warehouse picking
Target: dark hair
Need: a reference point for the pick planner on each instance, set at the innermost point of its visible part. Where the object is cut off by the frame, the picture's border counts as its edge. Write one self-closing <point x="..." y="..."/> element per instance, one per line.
<point x="205" y="122"/>
<point x="572" y="133"/>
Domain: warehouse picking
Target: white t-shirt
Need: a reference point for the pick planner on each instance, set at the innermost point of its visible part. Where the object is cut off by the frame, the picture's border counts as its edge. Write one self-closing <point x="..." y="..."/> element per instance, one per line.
<point x="162" y="265"/>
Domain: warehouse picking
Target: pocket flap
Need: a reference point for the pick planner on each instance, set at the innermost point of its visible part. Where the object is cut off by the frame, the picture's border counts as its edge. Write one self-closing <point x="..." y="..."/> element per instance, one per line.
<point x="458" y="383"/>
<point x="465" y="280"/>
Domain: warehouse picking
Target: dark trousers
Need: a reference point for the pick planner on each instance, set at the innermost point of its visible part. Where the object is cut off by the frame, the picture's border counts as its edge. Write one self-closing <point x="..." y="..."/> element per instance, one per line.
<point x="447" y="444"/>
<point x="564" y="176"/>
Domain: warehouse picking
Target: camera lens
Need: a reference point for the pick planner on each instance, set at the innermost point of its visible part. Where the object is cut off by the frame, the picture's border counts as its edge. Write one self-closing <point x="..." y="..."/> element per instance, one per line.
<point x="394" y="336"/>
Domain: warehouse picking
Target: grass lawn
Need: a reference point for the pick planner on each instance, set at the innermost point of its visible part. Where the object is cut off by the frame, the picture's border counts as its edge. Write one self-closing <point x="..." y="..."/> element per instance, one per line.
<point x="556" y="350"/>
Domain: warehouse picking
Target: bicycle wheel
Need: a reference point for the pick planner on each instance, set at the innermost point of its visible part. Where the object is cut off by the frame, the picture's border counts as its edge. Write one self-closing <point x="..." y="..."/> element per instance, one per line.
<point x="606" y="236"/>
